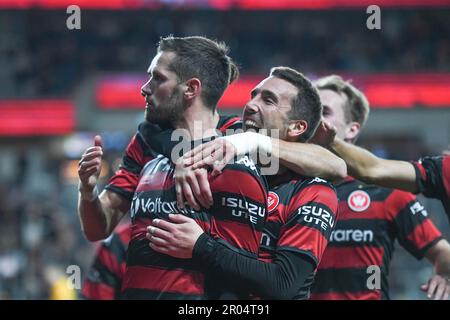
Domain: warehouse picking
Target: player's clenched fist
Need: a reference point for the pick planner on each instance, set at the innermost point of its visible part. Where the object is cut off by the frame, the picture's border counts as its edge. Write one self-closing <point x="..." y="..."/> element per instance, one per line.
<point x="90" y="165"/>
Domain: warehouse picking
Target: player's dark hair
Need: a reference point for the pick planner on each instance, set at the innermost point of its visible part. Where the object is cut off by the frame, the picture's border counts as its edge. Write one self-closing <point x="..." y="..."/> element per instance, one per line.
<point x="205" y="59"/>
<point x="306" y="104"/>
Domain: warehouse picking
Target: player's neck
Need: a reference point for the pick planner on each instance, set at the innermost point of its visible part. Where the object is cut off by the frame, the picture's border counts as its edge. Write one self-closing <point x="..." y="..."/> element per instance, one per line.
<point x="199" y="122"/>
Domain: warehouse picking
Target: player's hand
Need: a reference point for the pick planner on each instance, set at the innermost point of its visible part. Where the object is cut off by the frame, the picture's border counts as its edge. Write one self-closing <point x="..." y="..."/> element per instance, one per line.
<point x="90" y="165"/>
<point x="437" y="288"/>
<point x="215" y="154"/>
<point x="193" y="185"/>
<point x="324" y="135"/>
<point x="176" y="238"/>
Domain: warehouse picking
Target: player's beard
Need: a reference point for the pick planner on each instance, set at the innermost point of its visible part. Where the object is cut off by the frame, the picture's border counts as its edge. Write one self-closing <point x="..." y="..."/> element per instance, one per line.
<point x="169" y="113"/>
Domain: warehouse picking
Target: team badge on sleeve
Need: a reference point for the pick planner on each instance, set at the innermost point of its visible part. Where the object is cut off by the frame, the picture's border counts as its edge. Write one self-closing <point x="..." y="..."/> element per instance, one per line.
<point x="272" y="201"/>
<point x="358" y="200"/>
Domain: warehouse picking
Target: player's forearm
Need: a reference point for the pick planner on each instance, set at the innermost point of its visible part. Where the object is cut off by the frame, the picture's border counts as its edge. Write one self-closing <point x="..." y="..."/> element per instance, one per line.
<point x="369" y="168"/>
<point x="439" y="256"/>
<point x="442" y="266"/>
<point x="93" y="219"/>
<point x="360" y="162"/>
<point x="309" y="160"/>
<point x="280" y="279"/>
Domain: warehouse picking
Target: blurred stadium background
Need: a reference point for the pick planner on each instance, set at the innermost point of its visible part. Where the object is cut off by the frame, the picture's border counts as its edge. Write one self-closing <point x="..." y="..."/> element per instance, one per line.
<point x="59" y="87"/>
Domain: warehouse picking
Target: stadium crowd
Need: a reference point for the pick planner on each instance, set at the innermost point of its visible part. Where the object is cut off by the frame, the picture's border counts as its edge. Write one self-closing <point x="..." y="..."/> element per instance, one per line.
<point x="51" y="60"/>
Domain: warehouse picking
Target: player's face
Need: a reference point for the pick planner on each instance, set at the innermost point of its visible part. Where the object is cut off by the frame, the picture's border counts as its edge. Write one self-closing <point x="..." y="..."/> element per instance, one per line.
<point x="269" y="106"/>
<point x="162" y="93"/>
<point x="334" y="110"/>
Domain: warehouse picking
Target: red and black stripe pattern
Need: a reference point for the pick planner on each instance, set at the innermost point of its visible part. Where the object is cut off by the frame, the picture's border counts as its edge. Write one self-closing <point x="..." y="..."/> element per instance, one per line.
<point x="126" y="179"/>
<point x="236" y="219"/>
<point x="301" y="218"/>
<point x="370" y="220"/>
<point x="146" y="144"/>
<point x="104" y="280"/>
<point x="433" y="178"/>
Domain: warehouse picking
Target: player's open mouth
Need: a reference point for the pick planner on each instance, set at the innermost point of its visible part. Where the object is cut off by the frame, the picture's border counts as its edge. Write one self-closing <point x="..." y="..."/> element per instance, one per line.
<point x="250" y="124"/>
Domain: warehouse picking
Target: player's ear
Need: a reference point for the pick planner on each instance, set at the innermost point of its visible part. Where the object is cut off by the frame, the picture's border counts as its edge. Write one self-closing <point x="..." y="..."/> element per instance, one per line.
<point x="296" y="128"/>
<point x="193" y="88"/>
<point x="352" y="131"/>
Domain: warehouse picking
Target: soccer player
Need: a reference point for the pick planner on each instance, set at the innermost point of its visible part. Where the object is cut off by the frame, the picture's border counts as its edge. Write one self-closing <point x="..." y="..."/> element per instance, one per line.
<point x="302" y="211"/>
<point x="429" y="175"/>
<point x="182" y="88"/>
<point x="104" y="280"/>
<point x="371" y="218"/>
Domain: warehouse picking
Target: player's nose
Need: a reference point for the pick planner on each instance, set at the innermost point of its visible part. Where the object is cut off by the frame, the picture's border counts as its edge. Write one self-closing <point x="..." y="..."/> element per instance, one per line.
<point x="250" y="108"/>
<point x="145" y="89"/>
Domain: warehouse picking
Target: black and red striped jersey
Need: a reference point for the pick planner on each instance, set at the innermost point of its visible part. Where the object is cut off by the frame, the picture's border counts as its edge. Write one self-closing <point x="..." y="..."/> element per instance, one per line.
<point x="371" y="219"/>
<point x="302" y="216"/>
<point x="433" y="178"/>
<point x="104" y="280"/>
<point x="236" y="219"/>
<point x="149" y="141"/>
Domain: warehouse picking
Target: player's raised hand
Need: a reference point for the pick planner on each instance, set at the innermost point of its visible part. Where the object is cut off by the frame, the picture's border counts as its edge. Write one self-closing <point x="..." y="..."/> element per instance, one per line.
<point x="90" y="165"/>
<point x="437" y="288"/>
<point x="324" y="135"/>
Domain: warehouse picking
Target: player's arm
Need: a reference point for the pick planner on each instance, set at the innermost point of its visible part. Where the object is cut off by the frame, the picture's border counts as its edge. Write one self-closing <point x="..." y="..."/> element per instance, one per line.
<point x="280" y="279"/>
<point x="314" y="160"/>
<point x="161" y="141"/>
<point x="439" y="256"/>
<point x="303" y="158"/>
<point x="417" y="233"/>
<point x="438" y="286"/>
<point x="98" y="214"/>
<point x="183" y="238"/>
<point x="369" y="168"/>
<point x="309" y="159"/>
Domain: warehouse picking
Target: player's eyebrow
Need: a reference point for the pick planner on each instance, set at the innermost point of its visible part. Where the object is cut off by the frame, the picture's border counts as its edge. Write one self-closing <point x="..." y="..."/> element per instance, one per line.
<point x="254" y="92"/>
<point x="154" y="72"/>
<point x="269" y="94"/>
<point x="265" y="93"/>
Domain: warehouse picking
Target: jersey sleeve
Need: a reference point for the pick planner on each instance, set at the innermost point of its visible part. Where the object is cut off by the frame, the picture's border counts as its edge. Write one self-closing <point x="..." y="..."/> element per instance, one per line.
<point x="415" y="230"/>
<point x="104" y="279"/>
<point x="240" y="206"/>
<point x="282" y="278"/>
<point x="125" y="180"/>
<point x="309" y="219"/>
<point x="433" y="178"/>
<point x="429" y="171"/>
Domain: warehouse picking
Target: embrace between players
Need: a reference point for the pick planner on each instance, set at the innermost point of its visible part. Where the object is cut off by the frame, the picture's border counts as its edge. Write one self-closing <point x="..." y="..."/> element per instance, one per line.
<point x="215" y="223"/>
